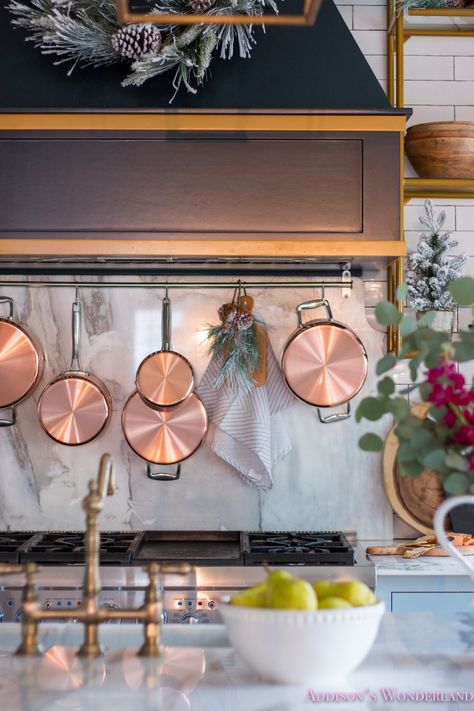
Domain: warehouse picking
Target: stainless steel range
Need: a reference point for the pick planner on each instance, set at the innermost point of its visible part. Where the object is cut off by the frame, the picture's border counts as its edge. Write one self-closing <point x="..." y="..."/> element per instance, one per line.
<point x="223" y="562"/>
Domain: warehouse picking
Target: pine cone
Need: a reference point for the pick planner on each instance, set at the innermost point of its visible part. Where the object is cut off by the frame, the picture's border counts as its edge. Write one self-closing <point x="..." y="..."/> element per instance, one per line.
<point x="243" y="321"/>
<point x="227" y="313"/>
<point x="199" y="7"/>
<point x="134" y="41"/>
<point x="455" y="3"/>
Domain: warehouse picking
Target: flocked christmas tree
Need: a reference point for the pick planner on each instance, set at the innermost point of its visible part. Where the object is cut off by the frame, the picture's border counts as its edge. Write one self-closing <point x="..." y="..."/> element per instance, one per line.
<point x="430" y="269"/>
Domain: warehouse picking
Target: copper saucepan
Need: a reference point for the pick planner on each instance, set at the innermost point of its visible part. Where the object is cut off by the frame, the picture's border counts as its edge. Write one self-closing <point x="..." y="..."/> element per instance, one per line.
<point x="75" y="407"/>
<point x="165" y="378"/>
<point x="21" y="363"/>
<point x="166" y="435"/>
<point x="324" y="362"/>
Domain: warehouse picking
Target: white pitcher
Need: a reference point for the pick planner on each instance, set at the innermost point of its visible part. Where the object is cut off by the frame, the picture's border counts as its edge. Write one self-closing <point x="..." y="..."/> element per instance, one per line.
<point x="443" y="540"/>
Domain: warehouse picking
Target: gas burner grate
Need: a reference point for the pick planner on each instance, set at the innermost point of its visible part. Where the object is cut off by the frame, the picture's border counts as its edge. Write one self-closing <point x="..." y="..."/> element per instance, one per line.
<point x="297" y="548"/>
<point x="11" y="545"/>
<point x="52" y="548"/>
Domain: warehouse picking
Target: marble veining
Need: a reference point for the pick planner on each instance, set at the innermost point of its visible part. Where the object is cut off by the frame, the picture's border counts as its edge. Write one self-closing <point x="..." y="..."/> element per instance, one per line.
<point x="412" y="658"/>
<point x="324" y="483"/>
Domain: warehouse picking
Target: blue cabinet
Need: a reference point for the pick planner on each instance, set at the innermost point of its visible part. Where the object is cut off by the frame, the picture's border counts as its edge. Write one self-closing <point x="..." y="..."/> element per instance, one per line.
<point x="442" y="594"/>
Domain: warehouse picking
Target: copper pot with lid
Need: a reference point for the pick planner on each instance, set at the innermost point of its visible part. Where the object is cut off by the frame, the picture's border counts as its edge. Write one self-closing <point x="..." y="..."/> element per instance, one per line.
<point x="324" y="362"/>
<point x="21" y="363"/>
<point x="164" y="421"/>
<point x="76" y="406"/>
<point x="164" y="435"/>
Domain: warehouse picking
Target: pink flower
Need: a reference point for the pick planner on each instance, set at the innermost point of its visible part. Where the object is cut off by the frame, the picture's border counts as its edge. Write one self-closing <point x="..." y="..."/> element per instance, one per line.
<point x="450" y="419"/>
<point x="465" y="435"/>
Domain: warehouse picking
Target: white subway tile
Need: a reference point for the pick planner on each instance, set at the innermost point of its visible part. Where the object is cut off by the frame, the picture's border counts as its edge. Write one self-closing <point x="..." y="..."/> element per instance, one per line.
<point x="378" y="64"/>
<point x="414" y="212"/>
<point x="465" y="217"/>
<point x="347" y="15"/>
<point x="371" y="41"/>
<point x="464" y="68"/>
<point x="439" y="93"/>
<point x="429" y="68"/>
<point x="422" y="114"/>
<point x="464" y="113"/>
<point x="370" y="17"/>
<point x="437" y="46"/>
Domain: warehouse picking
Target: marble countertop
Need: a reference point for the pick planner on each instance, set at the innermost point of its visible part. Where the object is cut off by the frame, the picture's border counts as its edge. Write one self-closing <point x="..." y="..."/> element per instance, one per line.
<point x="435" y="655"/>
<point x="396" y="565"/>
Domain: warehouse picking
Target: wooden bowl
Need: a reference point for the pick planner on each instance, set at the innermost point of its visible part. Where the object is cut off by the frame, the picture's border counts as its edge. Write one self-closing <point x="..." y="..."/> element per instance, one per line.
<point x="442" y="149"/>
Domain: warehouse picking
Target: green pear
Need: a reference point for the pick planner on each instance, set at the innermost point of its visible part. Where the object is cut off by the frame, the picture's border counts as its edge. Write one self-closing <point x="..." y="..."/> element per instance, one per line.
<point x="292" y="594"/>
<point x="252" y="597"/>
<point x="355" y="593"/>
<point x="323" y="588"/>
<point x="333" y="603"/>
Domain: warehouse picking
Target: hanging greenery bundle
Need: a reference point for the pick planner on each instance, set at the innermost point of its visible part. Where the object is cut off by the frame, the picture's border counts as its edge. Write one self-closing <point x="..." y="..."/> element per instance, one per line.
<point x="86" y="33"/>
<point x="235" y="341"/>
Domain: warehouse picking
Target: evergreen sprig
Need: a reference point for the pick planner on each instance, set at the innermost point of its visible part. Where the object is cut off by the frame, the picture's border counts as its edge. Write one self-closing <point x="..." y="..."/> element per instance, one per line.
<point x="80" y="32"/>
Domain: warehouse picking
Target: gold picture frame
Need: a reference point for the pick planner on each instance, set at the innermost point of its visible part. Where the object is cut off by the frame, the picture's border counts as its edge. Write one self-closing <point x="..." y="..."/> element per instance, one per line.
<point x="305" y="19"/>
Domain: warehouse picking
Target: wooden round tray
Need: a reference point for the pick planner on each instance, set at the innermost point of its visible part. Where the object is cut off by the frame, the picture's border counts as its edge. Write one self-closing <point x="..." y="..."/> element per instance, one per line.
<point x="415" y="500"/>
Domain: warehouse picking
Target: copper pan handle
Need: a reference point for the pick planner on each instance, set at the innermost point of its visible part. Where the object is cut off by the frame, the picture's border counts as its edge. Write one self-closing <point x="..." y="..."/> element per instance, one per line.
<point x="76" y="336"/>
<point x="163" y="476"/>
<point x="8" y="300"/>
<point x="337" y="417"/>
<point x="166" y="324"/>
<point x="313" y="305"/>
<point x="4" y="422"/>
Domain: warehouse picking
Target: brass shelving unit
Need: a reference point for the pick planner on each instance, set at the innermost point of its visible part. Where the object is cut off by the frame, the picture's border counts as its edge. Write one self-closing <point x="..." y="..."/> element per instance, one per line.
<point x="398" y="32"/>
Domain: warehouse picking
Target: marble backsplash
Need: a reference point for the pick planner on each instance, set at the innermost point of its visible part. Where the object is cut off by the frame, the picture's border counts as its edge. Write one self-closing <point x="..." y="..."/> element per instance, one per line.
<point x="325" y="482"/>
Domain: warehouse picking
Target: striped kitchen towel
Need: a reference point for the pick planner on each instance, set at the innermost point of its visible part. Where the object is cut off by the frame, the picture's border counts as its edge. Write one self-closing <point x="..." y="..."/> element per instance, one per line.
<point x="249" y="431"/>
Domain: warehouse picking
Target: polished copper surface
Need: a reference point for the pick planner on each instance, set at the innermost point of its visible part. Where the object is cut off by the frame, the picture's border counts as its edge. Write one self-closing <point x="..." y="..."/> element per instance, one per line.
<point x="167" y="435"/>
<point x="165" y="378"/>
<point x="21" y="363"/>
<point x="325" y="364"/>
<point x="74" y="408"/>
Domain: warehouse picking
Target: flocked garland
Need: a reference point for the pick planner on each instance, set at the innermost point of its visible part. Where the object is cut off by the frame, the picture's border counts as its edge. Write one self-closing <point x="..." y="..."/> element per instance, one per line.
<point x="86" y="33"/>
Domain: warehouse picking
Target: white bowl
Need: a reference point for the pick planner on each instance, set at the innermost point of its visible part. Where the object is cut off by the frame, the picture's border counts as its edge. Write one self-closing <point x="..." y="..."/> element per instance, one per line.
<point x="297" y="647"/>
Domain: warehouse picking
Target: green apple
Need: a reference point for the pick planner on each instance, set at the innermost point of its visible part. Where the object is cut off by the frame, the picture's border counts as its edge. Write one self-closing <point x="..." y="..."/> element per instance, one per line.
<point x="332" y="603"/>
<point x="355" y="593"/>
<point x="292" y="594"/>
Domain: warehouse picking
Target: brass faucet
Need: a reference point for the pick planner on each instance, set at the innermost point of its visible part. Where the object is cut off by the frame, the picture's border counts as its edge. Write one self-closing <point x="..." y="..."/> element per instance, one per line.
<point x="91" y="615"/>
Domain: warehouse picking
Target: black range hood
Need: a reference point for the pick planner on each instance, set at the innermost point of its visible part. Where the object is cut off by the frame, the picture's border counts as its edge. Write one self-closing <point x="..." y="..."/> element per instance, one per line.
<point x="294" y="153"/>
<point x="317" y="68"/>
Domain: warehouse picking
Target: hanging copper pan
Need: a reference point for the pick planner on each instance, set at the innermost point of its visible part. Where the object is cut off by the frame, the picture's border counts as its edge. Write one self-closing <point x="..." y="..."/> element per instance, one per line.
<point x="165" y="378"/>
<point x="164" y="435"/>
<point x="75" y="407"/>
<point x="324" y="362"/>
<point x="21" y="363"/>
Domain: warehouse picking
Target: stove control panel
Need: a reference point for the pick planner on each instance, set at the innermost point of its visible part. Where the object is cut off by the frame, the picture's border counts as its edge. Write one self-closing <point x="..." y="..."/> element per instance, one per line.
<point x="191" y="609"/>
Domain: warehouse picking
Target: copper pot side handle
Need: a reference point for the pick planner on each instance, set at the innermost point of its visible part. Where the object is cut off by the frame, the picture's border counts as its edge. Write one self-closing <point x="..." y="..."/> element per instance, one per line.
<point x="8" y="300"/>
<point x="163" y="476"/>
<point x="76" y="336"/>
<point x="4" y="422"/>
<point x="337" y="417"/>
<point x="313" y="305"/>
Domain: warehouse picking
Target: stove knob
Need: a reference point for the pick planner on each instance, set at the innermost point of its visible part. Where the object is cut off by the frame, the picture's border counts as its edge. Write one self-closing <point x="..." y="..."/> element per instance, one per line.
<point x="190" y="618"/>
